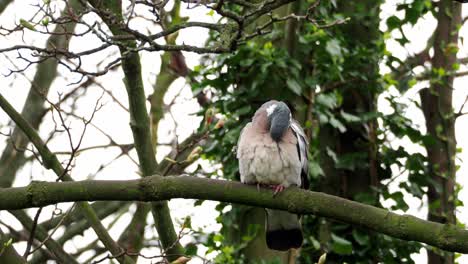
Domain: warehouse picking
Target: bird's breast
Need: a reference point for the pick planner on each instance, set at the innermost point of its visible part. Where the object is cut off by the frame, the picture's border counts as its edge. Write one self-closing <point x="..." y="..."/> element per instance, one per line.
<point x="262" y="160"/>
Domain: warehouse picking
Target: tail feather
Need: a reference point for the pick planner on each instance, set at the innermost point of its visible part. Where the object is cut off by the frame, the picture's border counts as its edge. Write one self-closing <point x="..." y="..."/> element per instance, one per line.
<point x="283" y="230"/>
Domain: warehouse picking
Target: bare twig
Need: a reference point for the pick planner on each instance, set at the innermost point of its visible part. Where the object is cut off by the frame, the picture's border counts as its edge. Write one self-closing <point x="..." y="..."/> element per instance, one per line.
<point x="31" y="234"/>
<point x="53" y="230"/>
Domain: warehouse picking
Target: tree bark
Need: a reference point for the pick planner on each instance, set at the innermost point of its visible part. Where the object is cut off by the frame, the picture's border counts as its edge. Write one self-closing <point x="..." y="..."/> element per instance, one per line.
<point x="156" y="188"/>
<point x="436" y="102"/>
<point x="140" y="124"/>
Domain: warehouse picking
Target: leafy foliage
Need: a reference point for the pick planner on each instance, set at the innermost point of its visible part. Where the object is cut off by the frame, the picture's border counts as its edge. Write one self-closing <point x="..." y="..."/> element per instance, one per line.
<point x="332" y="82"/>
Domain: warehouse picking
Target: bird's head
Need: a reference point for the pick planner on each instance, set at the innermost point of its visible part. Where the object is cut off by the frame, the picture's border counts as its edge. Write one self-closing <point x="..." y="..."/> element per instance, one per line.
<point x="279" y="118"/>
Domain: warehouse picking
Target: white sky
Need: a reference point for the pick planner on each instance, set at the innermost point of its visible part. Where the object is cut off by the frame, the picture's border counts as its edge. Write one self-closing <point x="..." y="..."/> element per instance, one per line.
<point x="114" y="120"/>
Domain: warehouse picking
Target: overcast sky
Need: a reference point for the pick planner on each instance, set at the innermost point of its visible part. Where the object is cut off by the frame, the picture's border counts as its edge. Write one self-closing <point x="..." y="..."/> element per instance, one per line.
<point x="114" y="120"/>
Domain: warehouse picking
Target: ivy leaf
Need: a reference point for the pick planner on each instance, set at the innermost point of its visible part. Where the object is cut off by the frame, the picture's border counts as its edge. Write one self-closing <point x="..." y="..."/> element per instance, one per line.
<point x="341" y="245"/>
<point x="333" y="47"/>
<point x="337" y="124"/>
<point x="360" y="237"/>
<point x="198" y="202"/>
<point x="393" y="22"/>
<point x="327" y="100"/>
<point x="315" y="169"/>
<point x="191" y="249"/>
<point x="412" y="15"/>
<point x="349" y="117"/>
<point x="400" y="201"/>
<point x="294" y="86"/>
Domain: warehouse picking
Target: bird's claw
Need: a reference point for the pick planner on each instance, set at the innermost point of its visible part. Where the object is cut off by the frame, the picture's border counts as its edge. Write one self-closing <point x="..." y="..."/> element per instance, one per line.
<point x="278" y="188"/>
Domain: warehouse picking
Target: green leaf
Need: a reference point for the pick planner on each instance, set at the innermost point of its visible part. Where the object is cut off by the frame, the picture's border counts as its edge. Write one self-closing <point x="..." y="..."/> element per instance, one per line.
<point x="412" y="15"/>
<point x="247" y="62"/>
<point x="244" y="110"/>
<point x="393" y="22"/>
<point x="198" y="202"/>
<point x="218" y="238"/>
<point x="341" y="246"/>
<point x="8" y="243"/>
<point x="315" y="169"/>
<point x="331" y="154"/>
<point x="360" y="237"/>
<point x="45" y="21"/>
<point x="187" y="222"/>
<point x="412" y="82"/>
<point x="400" y="201"/>
<point x="26" y="24"/>
<point x="268" y="45"/>
<point x="294" y="86"/>
<point x="191" y="249"/>
<point x="440" y="72"/>
<point x="333" y="48"/>
<point x="314" y="242"/>
<point x="349" y="117"/>
<point x="327" y="100"/>
<point x="337" y="124"/>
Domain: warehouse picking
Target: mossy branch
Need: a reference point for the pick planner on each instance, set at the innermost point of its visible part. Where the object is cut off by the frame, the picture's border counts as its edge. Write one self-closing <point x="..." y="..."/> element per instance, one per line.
<point x="157" y="188"/>
<point x="140" y="123"/>
<point x="50" y="161"/>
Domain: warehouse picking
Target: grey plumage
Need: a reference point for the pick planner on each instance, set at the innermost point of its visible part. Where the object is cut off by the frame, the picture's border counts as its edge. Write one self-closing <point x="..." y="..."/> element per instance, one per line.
<point x="272" y="150"/>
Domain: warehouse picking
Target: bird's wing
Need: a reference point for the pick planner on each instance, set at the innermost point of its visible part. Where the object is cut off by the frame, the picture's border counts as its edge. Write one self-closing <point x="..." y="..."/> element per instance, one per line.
<point x="243" y="154"/>
<point x="240" y="140"/>
<point x="302" y="149"/>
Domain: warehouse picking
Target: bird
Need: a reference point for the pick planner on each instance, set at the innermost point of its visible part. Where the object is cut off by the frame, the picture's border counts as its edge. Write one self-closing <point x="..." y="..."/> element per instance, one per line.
<point x="272" y="151"/>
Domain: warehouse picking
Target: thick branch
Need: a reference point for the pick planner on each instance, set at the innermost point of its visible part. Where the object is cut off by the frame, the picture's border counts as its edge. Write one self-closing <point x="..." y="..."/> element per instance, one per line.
<point x="157" y="188"/>
<point x="50" y="161"/>
<point x="12" y="159"/>
<point x="140" y="125"/>
<point x="56" y="249"/>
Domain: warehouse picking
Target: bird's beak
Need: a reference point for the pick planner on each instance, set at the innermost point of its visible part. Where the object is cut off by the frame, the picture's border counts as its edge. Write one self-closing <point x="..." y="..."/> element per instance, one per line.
<point x="279" y="123"/>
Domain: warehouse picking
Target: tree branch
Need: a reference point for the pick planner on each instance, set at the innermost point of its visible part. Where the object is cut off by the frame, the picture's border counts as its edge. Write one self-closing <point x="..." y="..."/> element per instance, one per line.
<point x="55" y="248"/>
<point x="140" y="125"/>
<point x="50" y="161"/>
<point x="157" y="188"/>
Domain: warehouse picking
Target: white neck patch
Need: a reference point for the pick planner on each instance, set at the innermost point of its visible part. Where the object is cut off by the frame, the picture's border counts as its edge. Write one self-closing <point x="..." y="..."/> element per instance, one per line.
<point x="270" y="109"/>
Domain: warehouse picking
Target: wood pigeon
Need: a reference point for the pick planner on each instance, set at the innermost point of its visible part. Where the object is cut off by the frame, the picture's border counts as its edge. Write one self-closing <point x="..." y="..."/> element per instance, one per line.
<point x="272" y="150"/>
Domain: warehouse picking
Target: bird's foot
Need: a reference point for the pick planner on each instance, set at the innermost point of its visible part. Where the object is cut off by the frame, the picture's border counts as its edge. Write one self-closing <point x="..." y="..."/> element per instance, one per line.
<point x="278" y="188"/>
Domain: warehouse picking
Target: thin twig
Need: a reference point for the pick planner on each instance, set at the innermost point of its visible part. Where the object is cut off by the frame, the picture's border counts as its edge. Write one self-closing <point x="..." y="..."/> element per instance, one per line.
<point x="31" y="235"/>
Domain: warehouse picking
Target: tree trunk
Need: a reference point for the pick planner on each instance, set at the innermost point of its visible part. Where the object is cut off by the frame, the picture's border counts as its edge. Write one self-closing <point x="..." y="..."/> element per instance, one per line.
<point x="436" y="102"/>
<point x="359" y="96"/>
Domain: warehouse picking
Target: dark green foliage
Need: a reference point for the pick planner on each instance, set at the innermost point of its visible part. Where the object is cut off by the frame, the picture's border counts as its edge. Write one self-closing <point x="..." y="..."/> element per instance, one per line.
<point x="332" y="82"/>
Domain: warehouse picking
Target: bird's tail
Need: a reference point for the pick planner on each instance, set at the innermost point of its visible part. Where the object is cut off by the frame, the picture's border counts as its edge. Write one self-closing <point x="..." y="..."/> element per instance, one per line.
<point x="283" y="230"/>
